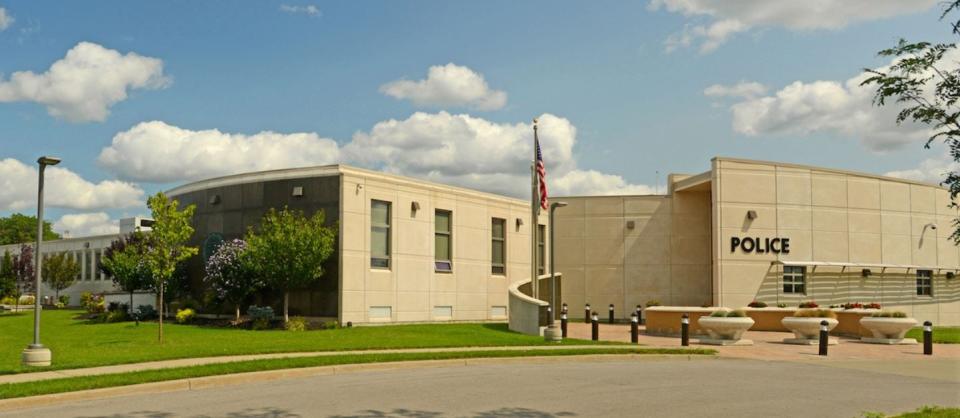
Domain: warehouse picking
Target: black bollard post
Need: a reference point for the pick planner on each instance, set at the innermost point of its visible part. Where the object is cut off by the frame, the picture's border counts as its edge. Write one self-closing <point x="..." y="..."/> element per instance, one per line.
<point x="586" y="314"/>
<point x="549" y="314"/>
<point x="639" y="314"/>
<point x="595" y="325"/>
<point x="685" y="330"/>
<point x="824" y="336"/>
<point x="563" y="325"/>
<point x="634" y="328"/>
<point x="564" y="308"/>
<point x="611" y="313"/>
<point x="928" y="338"/>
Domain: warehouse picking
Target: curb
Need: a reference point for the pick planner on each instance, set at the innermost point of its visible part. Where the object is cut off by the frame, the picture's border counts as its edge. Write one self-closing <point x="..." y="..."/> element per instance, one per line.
<point x="207" y="382"/>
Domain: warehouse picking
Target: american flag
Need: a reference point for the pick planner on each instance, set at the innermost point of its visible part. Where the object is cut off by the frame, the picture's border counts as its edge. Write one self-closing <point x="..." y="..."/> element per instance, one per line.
<point x="541" y="177"/>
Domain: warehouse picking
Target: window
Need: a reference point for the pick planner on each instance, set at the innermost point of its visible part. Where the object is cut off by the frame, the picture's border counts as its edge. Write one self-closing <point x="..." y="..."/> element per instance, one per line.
<point x="442" y="254"/>
<point x="96" y="266"/>
<point x="379" y="234"/>
<point x="794" y="279"/>
<point x="86" y="266"/>
<point x="924" y="283"/>
<point x="541" y="248"/>
<point x="498" y="254"/>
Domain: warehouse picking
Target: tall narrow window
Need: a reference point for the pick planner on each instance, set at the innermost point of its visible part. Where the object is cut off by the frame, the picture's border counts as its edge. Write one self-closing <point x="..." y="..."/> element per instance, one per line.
<point x="498" y="250"/>
<point x="541" y="249"/>
<point x="924" y="283"/>
<point x="794" y="279"/>
<point x="442" y="237"/>
<point x="379" y="234"/>
<point x="96" y="265"/>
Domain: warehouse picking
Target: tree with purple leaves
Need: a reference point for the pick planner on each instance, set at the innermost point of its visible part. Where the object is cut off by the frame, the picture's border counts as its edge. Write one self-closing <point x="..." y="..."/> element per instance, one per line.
<point x="230" y="276"/>
<point x="23" y="272"/>
<point x="123" y="262"/>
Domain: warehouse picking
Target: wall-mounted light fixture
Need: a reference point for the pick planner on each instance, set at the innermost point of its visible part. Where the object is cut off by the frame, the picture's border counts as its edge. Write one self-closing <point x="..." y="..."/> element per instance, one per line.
<point x="215" y="199"/>
<point x="951" y="275"/>
<point x="865" y="273"/>
<point x="631" y="224"/>
<point x="414" y="206"/>
<point x="359" y="188"/>
<point x="297" y="191"/>
<point x="751" y="214"/>
<point x="519" y="223"/>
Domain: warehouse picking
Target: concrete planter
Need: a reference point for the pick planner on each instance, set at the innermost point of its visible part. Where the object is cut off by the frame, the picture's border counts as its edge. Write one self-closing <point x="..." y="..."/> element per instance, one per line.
<point x="725" y="331"/>
<point x="806" y="331"/>
<point x="888" y="330"/>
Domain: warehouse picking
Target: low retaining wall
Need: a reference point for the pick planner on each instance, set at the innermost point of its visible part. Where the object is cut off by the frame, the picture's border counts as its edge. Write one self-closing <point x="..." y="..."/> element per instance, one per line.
<point x="849" y="322"/>
<point x="665" y="320"/>
<point x="527" y="315"/>
<point x="768" y="319"/>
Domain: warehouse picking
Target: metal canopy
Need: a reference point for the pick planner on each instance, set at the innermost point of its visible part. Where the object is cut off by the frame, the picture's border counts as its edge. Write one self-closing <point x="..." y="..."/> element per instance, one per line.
<point x="859" y="265"/>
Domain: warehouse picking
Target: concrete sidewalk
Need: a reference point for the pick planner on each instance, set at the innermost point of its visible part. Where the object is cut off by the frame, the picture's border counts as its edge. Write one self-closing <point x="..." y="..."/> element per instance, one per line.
<point x="187" y="362"/>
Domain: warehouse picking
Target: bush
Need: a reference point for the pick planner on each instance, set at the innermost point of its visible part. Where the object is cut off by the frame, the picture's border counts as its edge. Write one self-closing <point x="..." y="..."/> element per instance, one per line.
<point x="890" y="314"/>
<point x="809" y="304"/>
<point x="146" y="312"/>
<point x="757" y="304"/>
<point x="92" y="303"/>
<point x="27" y="300"/>
<point x="738" y="313"/>
<point x="9" y="300"/>
<point x="86" y="298"/>
<point x="260" y="316"/>
<point x="781" y="305"/>
<point x="60" y="305"/>
<point x="115" y="316"/>
<point x="333" y="324"/>
<point x="854" y="305"/>
<point x="872" y="305"/>
<point x="653" y="302"/>
<point x="296" y="324"/>
<point x="718" y="314"/>
<point x="815" y="313"/>
<point x="117" y="306"/>
<point x="184" y="316"/>
<point x="64" y="299"/>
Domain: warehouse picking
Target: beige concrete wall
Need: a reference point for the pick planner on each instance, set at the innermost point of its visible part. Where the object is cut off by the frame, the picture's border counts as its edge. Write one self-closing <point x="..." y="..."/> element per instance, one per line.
<point x="664" y="256"/>
<point x="411" y="288"/>
<point x="833" y="216"/>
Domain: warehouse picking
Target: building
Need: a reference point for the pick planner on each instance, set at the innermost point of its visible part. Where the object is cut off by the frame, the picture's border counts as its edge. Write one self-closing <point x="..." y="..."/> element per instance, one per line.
<point x="407" y="251"/>
<point x="773" y="232"/>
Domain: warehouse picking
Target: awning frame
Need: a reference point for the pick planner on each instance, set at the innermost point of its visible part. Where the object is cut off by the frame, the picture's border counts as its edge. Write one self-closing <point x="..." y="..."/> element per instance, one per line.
<point x="844" y="265"/>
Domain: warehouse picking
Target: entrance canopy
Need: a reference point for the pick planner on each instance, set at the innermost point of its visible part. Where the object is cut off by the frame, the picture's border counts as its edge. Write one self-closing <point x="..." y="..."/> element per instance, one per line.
<point x="860" y="265"/>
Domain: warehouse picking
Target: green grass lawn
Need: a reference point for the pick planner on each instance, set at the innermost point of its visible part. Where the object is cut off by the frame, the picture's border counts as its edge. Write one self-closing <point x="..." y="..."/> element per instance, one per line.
<point x="941" y="335"/>
<point x="78" y="343"/>
<point x="70" y="384"/>
<point x="924" y="412"/>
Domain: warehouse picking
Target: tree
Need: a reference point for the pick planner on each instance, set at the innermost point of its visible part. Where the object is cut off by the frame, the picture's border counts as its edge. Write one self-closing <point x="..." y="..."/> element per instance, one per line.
<point x="124" y="262"/>
<point x="228" y="276"/>
<point x="60" y="272"/>
<point x="7" y="278"/>
<point x="288" y="250"/>
<point x="927" y="86"/>
<point x="166" y="244"/>
<point x="19" y="228"/>
<point x="23" y="272"/>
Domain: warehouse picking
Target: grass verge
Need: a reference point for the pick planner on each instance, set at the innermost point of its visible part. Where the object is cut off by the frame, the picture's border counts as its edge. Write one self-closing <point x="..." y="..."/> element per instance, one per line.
<point x="941" y="335"/>
<point x="924" y="412"/>
<point x="71" y="384"/>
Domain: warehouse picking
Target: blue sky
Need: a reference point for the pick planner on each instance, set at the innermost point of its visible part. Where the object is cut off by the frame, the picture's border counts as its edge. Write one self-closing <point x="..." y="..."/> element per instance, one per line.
<point x="628" y="77"/>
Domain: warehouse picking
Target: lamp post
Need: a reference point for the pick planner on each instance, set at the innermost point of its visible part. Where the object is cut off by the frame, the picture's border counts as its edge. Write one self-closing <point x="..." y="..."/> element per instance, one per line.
<point x="36" y="354"/>
<point x="553" y="271"/>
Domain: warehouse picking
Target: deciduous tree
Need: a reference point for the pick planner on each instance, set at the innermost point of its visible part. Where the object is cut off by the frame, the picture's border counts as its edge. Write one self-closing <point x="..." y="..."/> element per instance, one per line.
<point x="60" y="272"/>
<point x="125" y="264"/>
<point x="18" y="228"/>
<point x="167" y="244"/>
<point x="228" y="276"/>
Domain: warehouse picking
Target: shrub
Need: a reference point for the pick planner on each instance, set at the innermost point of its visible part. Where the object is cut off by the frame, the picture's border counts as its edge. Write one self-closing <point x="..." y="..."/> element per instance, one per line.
<point x="296" y="324"/>
<point x="757" y="304"/>
<point x="333" y="324"/>
<point x="815" y="313"/>
<point x="260" y="316"/>
<point x="853" y="305"/>
<point x="115" y="316"/>
<point x="27" y="300"/>
<point x="738" y="313"/>
<point x="146" y="312"/>
<point x="781" y="305"/>
<point x="65" y="300"/>
<point x="117" y="306"/>
<point x="653" y="302"/>
<point x="889" y="314"/>
<point x="872" y="305"/>
<point x="718" y="314"/>
<point x="60" y="305"/>
<point x="9" y="300"/>
<point x="86" y="298"/>
<point x="809" y="304"/>
<point x="184" y="316"/>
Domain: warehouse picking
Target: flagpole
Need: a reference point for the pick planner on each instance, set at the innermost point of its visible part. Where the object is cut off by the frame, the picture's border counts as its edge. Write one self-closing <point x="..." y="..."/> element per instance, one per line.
<point x="534" y="222"/>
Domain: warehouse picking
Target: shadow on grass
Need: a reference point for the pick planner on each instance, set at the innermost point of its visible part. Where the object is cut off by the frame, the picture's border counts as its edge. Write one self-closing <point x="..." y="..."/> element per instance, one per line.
<point x="500" y="327"/>
<point x="271" y="412"/>
<point x="268" y="412"/>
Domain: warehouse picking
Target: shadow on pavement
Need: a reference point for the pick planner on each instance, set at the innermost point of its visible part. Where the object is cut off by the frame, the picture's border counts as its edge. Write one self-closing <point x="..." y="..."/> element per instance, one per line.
<point x="246" y="413"/>
<point x="502" y="412"/>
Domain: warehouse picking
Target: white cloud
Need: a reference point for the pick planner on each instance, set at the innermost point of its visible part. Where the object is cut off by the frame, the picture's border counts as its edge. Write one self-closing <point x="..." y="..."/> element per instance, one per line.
<point x="158" y="152"/>
<point x="448" y="85"/>
<point x="5" y="19"/>
<point x="930" y="170"/>
<point x="86" y="224"/>
<point x="844" y="108"/>
<point x="452" y="149"/>
<point x="83" y="85"/>
<point x="309" y="10"/>
<point x="742" y="89"/>
<point x="63" y="188"/>
<point x="718" y="20"/>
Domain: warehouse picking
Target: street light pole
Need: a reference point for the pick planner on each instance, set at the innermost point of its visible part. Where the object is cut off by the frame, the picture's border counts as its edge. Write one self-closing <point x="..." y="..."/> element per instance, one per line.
<point x="36" y="354"/>
<point x="553" y="271"/>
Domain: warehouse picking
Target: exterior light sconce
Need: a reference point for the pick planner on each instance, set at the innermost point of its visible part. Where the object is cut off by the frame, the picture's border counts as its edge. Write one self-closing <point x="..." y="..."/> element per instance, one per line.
<point x="951" y="275"/>
<point x="751" y="214"/>
<point x="865" y="273"/>
<point x="215" y="199"/>
<point x="359" y="188"/>
<point x="86" y="245"/>
<point x="414" y="206"/>
<point x="297" y="191"/>
<point x="631" y="224"/>
<point x="519" y="223"/>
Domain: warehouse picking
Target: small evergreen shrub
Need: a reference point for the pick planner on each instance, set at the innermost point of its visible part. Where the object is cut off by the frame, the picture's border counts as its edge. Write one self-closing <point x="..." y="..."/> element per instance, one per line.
<point x="889" y="314"/>
<point x="60" y="305"/>
<point x="296" y="324"/>
<point x="781" y="305"/>
<point x="653" y="302"/>
<point x="738" y="313"/>
<point x="64" y="299"/>
<point x="815" y="313"/>
<point x="333" y="324"/>
<point x="718" y="314"/>
<point x="146" y="312"/>
<point x="260" y="317"/>
<point x="185" y="316"/>
<point x="115" y="316"/>
<point x="757" y="304"/>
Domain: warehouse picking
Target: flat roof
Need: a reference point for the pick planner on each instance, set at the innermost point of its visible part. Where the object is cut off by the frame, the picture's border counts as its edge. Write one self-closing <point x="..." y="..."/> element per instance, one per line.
<point x="828" y="170"/>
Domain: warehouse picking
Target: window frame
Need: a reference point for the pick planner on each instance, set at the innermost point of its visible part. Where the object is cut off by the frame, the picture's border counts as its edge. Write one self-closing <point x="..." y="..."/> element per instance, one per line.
<point x="793" y="278"/>
<point x="924" y="283"/>
<point x="386" y="259"/>
<point x="541" y="249"/>
<point x="498" y="269"/>
<point x="449" y="234"/>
